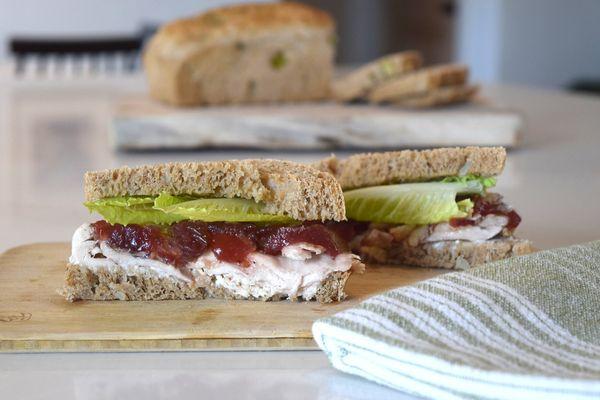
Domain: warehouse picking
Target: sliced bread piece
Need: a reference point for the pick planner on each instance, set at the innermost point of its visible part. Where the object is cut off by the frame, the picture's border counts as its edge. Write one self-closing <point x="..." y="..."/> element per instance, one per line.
<point x="358" y="83"/>
<point x="83" y="283"/>
<point x="372" y="169"/>
<point x="458" y="254"/>
<point x="440" y="97"/>
<point x="420" y="82"/>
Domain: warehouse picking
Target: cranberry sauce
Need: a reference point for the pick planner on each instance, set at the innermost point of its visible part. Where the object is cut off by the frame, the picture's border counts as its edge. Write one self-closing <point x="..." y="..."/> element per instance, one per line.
<point x="183" y="242"/>
<point x="490" y="204"/>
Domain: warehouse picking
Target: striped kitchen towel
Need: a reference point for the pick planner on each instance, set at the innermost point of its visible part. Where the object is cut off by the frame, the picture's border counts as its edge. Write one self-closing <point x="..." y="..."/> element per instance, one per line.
<point x="521" y="328"/>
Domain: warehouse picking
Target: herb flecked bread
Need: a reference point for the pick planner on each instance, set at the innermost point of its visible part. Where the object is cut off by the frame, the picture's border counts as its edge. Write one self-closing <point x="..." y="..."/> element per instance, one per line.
<point x="360" y="82"/>
<point x="243" y="54"/>
<point x="421" y="82"/>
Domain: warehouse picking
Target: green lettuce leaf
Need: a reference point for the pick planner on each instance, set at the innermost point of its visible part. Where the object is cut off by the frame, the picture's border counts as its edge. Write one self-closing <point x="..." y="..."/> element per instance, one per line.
<point x="165" y="200"/>
<point x="487" y="182"/>
<point x="131" y="210"/>
<point x="412" y="203"/>
<point x="213" y="210"/>
<point x="166" y="209"/>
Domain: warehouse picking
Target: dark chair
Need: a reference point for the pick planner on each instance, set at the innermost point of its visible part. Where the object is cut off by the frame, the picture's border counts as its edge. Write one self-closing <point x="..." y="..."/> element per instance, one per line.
<point x="104" y="54"/>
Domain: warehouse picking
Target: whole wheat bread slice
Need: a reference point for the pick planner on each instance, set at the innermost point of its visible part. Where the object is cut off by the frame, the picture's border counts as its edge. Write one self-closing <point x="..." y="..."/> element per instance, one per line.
<point x="456" y="254"/>
<point x="82" y="283"/>
<point x="358" y="83"/>
<point x="286" y="188"/>
<point x="420" y="82"/>
<point x="440" y="97"/>
<point x="372" y="169"/>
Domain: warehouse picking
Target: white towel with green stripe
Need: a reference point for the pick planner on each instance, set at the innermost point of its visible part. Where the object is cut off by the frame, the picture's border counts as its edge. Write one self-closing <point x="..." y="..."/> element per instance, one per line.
<point x="521" y="328"/>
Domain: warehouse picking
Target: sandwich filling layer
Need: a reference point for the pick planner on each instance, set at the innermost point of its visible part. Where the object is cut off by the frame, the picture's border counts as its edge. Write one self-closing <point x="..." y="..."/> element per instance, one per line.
<point x="247" y="260"/>
<point x="489" y="218"/>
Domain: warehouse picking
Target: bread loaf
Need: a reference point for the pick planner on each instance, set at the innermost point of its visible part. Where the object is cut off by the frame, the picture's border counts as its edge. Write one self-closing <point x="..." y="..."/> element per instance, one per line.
<point x="243" y="54"/>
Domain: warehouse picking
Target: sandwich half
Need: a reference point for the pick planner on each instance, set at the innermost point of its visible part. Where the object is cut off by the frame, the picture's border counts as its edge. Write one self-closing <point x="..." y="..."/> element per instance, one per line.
<point x="430" y="208"/>
<point x="249" y="229"/>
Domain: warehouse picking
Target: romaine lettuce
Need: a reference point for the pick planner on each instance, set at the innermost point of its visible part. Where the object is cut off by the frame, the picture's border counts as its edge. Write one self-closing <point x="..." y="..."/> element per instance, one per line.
<point x="167" y="209"/>
<point x="213" y="210"/>
<point x="131" y="210"/>
<point x="412" y="203"/>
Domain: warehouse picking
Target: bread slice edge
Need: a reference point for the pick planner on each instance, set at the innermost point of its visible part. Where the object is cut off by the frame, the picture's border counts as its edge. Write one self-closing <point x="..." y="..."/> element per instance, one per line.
<point x="372" y="169"/>
<point x="457" y="254"/>
<point x="82" y="283"/>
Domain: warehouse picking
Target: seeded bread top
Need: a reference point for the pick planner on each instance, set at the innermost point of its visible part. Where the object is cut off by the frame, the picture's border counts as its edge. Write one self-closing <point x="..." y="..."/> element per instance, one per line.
<point x="287" y="188"/>
<point x="241" y="20"/>
<point x="372" y="169"/>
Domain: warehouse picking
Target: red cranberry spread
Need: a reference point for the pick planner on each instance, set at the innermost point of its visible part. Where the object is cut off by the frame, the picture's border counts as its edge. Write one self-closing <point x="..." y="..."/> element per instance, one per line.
<point x="183" y="242"/>
<point x="490" y="204"/>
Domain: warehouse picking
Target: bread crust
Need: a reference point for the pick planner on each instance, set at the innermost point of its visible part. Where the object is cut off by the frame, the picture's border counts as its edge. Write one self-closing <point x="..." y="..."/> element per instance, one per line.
<point x="225" y="56"/>
<point x="358" y="83"/>
<point x="285" y="188"/>
<point x="420" y="82"/>
<point x="244" y="19"/>
<point x="440" y="97"/>
<point x="85" y="284"/>
<point x="372" y="169"/>
<point x="457" y="254"/>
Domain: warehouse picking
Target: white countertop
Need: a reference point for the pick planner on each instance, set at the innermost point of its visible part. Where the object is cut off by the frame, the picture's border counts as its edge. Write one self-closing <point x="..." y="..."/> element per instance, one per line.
<point x="50" y="133"/>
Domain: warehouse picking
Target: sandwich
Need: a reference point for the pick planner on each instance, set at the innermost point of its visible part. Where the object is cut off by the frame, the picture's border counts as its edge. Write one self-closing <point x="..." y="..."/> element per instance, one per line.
<point x="249" y="229"/>
<point x="249" y="53"/>
<point x="430" y="208"/>
<point x="358" y="83"/>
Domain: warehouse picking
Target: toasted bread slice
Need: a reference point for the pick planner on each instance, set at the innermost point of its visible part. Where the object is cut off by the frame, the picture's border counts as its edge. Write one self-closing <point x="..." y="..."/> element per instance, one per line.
<point x="420" y="82"/>
<point x="372" y="169"/>
<point x="286" y="188"/>
<point x="82" y="283"/>
<point x="440" y="97"/>
<point x="359" y="82"/>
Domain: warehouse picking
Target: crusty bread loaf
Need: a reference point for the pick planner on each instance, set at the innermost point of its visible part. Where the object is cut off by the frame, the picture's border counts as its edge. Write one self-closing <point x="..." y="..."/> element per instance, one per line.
<point x="440" y="97"/>
<point x="457" y="254"/>
<point x="420" y="82"/>
<point x="372" y="169"/>
<point x="82" y="283"/>
<point x="358" y="83"/>
<point x="286" y="188"/>
<point x="243" y="54"/>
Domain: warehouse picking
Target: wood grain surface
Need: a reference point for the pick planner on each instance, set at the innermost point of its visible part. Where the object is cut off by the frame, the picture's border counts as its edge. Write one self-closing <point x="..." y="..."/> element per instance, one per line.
<point x="143" y="124"/>
<point x="34" y="317"/>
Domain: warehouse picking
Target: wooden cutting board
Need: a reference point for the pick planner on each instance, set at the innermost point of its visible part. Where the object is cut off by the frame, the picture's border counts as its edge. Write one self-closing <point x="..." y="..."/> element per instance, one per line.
<point x="143" y="124"/>
<point x="34" y="317"/>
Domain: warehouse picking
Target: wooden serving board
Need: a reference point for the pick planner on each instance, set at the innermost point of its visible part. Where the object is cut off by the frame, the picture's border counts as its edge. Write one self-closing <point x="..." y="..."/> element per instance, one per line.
<point x="143" y="124"/>
<point x="34" y="317"/>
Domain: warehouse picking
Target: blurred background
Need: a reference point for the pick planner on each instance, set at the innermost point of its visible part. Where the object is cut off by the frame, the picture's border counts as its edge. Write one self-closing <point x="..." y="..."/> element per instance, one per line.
<point x="544" y="43"/>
